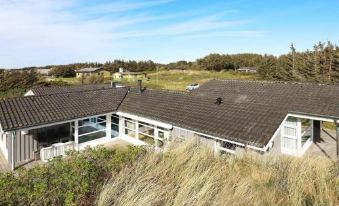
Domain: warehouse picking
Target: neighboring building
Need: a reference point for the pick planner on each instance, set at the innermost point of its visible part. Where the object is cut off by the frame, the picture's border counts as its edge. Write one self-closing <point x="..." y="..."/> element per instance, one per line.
<point x="43" y="72"/>
<point x="229" y="116"/>
<point x="86" y="72"/>
<point x="247" y="69"/>
<point x="128" y="75"/>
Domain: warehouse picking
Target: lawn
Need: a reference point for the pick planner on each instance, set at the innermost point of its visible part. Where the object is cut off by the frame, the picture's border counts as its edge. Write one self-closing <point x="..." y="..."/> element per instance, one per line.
<point x="69" y="80"/>
<point x="178" y="80"/>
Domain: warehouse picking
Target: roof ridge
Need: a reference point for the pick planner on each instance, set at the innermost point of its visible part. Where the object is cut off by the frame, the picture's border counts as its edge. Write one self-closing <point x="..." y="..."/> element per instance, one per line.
<point x="62" y="93"/>
<point x="277" y="82"/>
<point x="168" y="90"/>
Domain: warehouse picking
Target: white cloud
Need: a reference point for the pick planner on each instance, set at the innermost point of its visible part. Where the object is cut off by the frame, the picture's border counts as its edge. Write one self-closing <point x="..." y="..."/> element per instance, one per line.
<point x="123" y="6"/>
<point x="39" y="32"/>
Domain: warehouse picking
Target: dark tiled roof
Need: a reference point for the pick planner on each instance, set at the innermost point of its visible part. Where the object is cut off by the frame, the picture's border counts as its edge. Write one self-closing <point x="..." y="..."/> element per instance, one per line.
<point x="64" y="89"/>
<point x="310" y="98"/>
<point x="29" y="111"/>
<point x="249" y="113"/>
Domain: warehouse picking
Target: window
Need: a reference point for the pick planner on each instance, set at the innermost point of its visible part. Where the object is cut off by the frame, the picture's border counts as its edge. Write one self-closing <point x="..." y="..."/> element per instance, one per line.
<point x="161" y="134"/>
<point x="129" y="124"/>
<point x="146" y="133"/>
<point x="129" y="127"/>
<point x="146" y="129"/>
<point x="290" y="131"/>
<point x="228" y="147"/>
<point x="115" y="125"/>
<point x="91" y="128"/>
<point x="290" y="143"/>
<point x="290" y="135"/>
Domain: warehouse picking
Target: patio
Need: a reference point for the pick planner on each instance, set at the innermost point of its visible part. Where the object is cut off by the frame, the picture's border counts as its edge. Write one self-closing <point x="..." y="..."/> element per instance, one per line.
<point x="325" y="146"/>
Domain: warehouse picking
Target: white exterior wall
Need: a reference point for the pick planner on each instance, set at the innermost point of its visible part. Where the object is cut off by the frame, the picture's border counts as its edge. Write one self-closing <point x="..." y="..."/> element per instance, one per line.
<point x="3" y="145"/>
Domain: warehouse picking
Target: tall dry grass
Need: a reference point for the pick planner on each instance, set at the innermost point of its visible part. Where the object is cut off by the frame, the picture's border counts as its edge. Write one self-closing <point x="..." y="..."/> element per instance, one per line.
<point x="191" y="175"/>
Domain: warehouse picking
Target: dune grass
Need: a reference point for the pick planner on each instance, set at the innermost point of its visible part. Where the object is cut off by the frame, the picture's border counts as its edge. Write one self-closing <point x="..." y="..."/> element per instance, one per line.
<point x="192" y="175"/>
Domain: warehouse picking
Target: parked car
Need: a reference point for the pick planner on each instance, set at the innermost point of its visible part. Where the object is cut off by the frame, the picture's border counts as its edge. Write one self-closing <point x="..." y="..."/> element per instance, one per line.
<point x="192" y="87"/>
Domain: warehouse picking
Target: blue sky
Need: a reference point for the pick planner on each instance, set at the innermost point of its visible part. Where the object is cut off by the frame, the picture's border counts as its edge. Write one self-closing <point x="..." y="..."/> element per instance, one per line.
<point x="44" y="32"/>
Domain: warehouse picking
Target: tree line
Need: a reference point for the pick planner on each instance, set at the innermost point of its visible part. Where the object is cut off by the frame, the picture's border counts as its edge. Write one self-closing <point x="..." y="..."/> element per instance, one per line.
<point x="320" y="64"/>
<point x="111" y="66"/>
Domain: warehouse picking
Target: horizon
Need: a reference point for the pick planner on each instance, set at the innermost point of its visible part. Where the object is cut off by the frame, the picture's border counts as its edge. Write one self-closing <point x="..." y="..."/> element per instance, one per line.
<point x="46" y="32"/>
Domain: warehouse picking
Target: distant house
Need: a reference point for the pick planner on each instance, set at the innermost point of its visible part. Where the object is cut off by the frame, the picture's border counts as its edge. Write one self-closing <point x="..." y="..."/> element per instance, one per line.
<point x="92" y="71"/>
<point x="247" y="69"/>
<point x="129" y="75"/>
<point x="228" y="116"/>
<point x="43" y="71"/>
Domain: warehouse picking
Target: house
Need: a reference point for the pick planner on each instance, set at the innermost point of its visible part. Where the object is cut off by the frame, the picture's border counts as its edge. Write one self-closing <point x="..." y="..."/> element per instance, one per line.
<point x="229" y="116"/>
<point x="43" y="71"/>
<point x="86" y="72"/>
<point x="247" y="69"/>
<point x="128" y="75"/>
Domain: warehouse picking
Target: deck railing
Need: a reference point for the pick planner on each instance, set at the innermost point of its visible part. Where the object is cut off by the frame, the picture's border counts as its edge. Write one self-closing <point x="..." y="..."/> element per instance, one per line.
<point x="58" y="149"/>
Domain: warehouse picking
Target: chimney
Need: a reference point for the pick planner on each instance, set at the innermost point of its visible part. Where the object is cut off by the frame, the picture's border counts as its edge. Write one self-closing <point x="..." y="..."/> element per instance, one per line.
<point x="139" y="86"/>
<point x="113" y="84"/>
<point x="218" y="101"/>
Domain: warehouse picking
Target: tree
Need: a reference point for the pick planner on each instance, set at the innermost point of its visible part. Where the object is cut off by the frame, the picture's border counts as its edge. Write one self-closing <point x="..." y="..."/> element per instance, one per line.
<point x="63" y="71"/>
<point x="268" y="67"/>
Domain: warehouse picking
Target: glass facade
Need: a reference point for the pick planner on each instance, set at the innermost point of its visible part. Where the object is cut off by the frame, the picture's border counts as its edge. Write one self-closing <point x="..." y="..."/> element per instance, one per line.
<point x="114" y="125"/>
<point x="91" y="128"/>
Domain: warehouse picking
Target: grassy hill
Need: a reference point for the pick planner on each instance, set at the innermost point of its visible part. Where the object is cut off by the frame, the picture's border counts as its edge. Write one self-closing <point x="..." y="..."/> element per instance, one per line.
<point x="176" y="79"/>
<point x="179" y="79"/>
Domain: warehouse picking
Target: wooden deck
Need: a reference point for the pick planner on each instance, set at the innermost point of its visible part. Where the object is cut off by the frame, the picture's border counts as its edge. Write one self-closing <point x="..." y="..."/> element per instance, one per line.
<point x="326" y="146"/>
<point x="117" y="144"/>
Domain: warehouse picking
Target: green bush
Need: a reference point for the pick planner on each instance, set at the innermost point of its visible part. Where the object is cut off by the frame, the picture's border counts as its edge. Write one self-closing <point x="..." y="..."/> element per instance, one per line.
<point x="74" y="180"/>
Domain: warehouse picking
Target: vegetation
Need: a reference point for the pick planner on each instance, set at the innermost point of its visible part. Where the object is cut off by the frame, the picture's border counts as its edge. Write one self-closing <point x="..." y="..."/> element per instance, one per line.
<point x="187" y="174"/>
<point x="321" y="65"/>
<point x="93" y="80"/>
<point x="62" y="71"/>
<point x="191" y="175"/>
<point x="218" y="62"/>
<point x="17" y="79"/>
<point x="179" y="79"/>
<point x="15" y="83"/>
<point x="132" y="66"/>
<point x="75" y="180"/>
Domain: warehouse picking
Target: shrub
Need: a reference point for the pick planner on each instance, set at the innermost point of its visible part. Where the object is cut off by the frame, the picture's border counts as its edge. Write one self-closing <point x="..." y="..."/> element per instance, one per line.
<point x="62" y="71"/>
<point x="74" y="180"/>
<point x="93" y="79"/>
